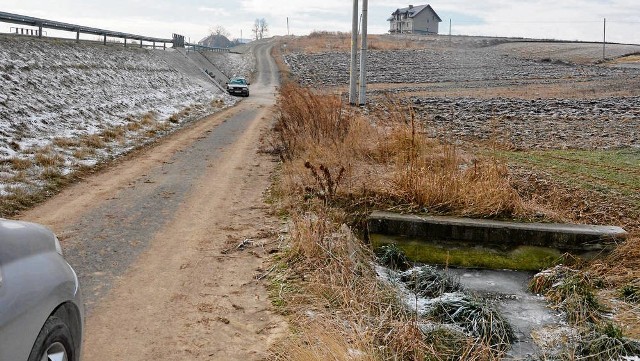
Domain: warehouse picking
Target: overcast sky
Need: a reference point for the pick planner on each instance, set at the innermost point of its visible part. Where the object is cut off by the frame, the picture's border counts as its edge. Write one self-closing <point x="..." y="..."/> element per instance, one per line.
<point x="551" y="19"/>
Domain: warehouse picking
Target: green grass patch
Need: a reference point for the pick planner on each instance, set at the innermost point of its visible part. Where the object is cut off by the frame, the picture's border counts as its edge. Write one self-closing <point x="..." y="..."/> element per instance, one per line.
<point x="607" y="171"/>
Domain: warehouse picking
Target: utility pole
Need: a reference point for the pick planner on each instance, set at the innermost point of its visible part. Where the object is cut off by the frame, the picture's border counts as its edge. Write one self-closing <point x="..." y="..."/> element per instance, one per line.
<point x="353" y="91"/>
<point x="288" y="26"/>
<point x="604" y="40"/>
<point x="363" y="54"/>
<point x="449" y="30"/>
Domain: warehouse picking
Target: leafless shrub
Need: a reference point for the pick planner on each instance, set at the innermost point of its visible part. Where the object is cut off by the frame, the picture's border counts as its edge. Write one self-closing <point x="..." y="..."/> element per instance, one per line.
<point x="326" y="184"/>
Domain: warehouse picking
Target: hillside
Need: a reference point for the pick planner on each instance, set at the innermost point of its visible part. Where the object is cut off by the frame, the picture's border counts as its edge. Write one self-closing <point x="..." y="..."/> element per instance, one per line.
<point x="65" y="106"/>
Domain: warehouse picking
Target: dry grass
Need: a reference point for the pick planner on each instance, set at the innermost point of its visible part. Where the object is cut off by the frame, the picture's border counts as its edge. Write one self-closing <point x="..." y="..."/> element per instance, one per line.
<point x="47" y="158"/>
<point x="336" y="156"/>
<point x="326" y="341"/>
<point x="17" y="199"/>
<point x="148" y="118"/>
<point x="338" y="162"/>
<point x="63" y="142"/>
<point x="217" y="103"/>
<point x="20" y="164"/>
<point x="323" y="41"/>
<point x="334" y="153"/>
<point x="572" y="291"/>
<point x="161" y="126"/>
<point x="133" y="126"/>
<point x="176" y="117"/>
<point x="283" y="69"/>
<point x="622" y="266"/>
<point x="355" y="315"/>
<point x="113" y="134"/>
<point x="93" y="141"/>
<point x="83" y="152"/>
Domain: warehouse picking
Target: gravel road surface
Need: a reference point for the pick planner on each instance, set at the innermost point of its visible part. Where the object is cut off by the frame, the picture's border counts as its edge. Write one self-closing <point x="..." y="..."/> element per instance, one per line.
<point x="169" y="242"/>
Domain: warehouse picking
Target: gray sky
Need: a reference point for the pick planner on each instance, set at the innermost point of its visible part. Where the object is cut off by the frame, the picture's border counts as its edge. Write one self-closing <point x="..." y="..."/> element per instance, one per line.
<point x="557" y="19"/>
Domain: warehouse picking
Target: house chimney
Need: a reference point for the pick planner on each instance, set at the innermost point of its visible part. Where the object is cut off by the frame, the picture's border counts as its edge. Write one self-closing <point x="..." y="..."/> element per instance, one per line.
<point x="410" y="6"/>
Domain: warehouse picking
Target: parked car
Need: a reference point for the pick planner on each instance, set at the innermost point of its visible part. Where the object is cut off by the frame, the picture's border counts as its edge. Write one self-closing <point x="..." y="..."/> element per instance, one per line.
<point x="41" y="310"/>
<point x="238" y="86"/>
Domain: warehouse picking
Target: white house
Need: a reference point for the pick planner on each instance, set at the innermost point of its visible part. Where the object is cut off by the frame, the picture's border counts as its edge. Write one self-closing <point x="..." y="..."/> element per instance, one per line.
<point x="421" y="19"/>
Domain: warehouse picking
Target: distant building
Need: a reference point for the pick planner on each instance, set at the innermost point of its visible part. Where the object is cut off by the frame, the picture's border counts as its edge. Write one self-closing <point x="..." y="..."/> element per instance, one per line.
<point x="216" y="41"/>
<point x="421" y="19"/>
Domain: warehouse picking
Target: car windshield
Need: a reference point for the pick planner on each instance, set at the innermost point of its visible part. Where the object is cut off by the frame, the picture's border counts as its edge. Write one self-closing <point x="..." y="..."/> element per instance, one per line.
<point x="238" y="81"/>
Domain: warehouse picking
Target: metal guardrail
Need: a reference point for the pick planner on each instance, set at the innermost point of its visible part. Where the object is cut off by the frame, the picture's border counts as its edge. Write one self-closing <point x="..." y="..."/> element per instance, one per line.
<point x="78" y="29"/>
<point x="176" y="41"/>
<point x="198" y="47"/>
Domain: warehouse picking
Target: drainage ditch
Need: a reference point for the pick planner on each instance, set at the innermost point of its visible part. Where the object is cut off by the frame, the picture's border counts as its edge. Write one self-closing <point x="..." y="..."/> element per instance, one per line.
<point x="471" y="277"/>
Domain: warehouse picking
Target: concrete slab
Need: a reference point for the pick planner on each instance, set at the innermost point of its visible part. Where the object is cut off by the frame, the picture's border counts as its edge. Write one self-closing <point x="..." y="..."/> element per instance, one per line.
<point x="566" y="237"/>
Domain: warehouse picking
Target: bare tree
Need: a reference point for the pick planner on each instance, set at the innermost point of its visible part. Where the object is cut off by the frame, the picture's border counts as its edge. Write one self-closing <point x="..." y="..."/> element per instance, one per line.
<point x="220" y="30"/>
<point x="260" y="29"/>
<point x="264" y="28"/>
<point x="256" y="29"/>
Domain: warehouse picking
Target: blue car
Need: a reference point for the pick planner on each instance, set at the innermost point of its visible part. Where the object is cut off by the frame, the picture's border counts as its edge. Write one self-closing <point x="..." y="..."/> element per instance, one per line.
<point x="41" y="310"/>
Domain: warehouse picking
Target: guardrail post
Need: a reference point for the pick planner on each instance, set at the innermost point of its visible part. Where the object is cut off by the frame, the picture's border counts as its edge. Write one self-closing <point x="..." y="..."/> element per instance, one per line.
<point x="125" y="42"/>
<point x="164" y="46"/>
<point x="77" y="35"/>
<point x="39" y="30"/>
<point x="140" y="43"/>
<point x="154" y="45"/>
<point x="104" y="42"/>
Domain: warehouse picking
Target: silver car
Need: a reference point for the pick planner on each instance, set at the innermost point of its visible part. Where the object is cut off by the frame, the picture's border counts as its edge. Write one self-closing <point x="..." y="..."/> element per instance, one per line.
<point x="239" y="86"/>
<point x="41" y="311"/>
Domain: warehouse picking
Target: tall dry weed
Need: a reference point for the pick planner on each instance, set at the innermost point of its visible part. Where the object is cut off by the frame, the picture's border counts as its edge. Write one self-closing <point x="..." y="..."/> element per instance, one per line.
<point x="308" y="119"/>
<point x="387" y="154"/>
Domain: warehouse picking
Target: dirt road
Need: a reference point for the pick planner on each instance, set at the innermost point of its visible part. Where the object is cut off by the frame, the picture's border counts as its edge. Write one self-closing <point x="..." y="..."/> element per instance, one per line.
<point x="168" y="243"/>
